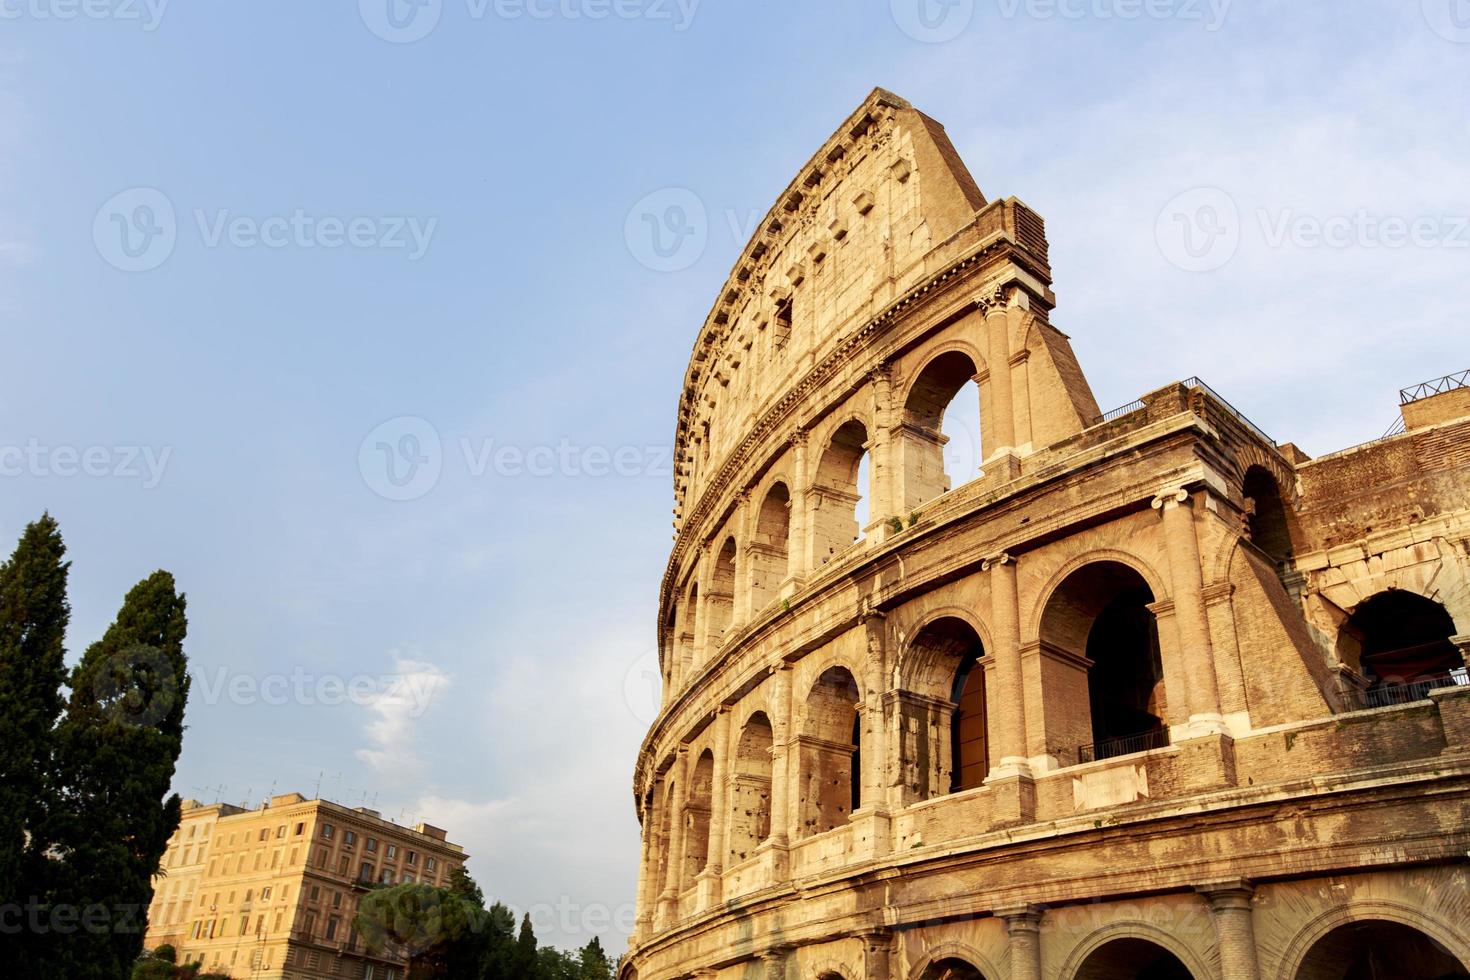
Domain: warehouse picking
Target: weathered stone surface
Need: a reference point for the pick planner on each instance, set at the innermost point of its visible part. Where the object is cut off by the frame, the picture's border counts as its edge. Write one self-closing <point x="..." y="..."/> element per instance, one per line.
<point x="1200" y="745"/>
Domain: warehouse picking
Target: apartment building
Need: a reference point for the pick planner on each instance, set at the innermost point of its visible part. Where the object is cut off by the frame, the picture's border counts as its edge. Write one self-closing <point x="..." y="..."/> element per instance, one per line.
<point x="271" y="894"/>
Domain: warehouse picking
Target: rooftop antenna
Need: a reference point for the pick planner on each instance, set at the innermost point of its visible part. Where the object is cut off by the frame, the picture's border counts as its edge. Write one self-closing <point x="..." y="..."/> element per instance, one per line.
<point x="316" y="793"/>
<point x="245" y="803"/>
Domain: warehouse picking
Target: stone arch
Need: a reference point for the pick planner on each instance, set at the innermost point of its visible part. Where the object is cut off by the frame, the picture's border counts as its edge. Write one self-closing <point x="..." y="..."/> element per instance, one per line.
<point x="769" y="553"/>
<point x="830" y="970"/>
<point x="962" y="952"/>
<point x="836" y="493"/>
<point x="697" y="819"/>
<point x="1131" y="931"/>
<point x="943" y="724"/>
<point x="1324" y="925"/>
<point x="1156" y="582"/>
<point x="931" y="394"/>
<point x="1099" y="630"/>
<point x="750" y="805"/>
<point x="1434" y="576"/>
<point x="665" y="811"/>
<point x="830" y="746"/>
<point x="1267" y="521"/>
<point x="1396" y="639"/>
<point x="719" y="600"/>
<point x="916" y="671"/>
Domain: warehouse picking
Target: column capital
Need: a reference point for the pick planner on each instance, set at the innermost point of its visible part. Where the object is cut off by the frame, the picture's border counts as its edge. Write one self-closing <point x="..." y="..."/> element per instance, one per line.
<point x="1020" y="918"/>
<point x="882" y="374"/>
<point x="1169" y="498"/>
<point x="993" y="300"/>
<point x="1228" y="893"/>
<point x="1002" y="558"/>
<point x="798" y="438"/>
<point x="879" y="937"/>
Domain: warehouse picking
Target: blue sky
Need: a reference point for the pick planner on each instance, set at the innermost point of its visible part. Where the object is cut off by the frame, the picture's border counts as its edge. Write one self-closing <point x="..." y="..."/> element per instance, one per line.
<point x="261" y="382"/>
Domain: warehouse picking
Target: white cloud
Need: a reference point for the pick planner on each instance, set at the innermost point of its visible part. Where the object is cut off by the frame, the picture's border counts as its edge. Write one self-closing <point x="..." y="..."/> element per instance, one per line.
<point x="403" y="698"/>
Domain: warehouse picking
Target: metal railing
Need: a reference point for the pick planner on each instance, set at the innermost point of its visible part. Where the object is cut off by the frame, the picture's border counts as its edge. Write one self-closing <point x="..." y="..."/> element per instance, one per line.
<point x="1111" y="748"/>
<point x="1438" y="386"/>
<point x="1388" y="695"/>
<point x="1138" y="405"/>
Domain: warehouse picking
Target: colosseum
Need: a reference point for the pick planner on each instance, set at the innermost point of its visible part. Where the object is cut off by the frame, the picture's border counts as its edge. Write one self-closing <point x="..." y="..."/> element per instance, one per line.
<point x="1139" y="694"/>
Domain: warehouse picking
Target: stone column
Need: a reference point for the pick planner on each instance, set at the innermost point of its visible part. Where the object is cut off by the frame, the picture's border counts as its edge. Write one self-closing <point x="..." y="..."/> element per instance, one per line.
<point x="1023" y="929"/>
<point x="776" y="960"/>
<point x="1002" y="423"/>
<point x="875" y="749"/>
<point x="1230" y="908"/>
<point x="648" y="867"/>
<point x="800" y="560"/>
<point x="1021" y="384"/>
<point x="878" y="955"/>
<point x="744" y="525"/>
<point x="1008" y="720"/>
<point x="781" y="764"/>
<point x="1010" y="777"/>
<point x="669" y="902"/>
<point x="884" y="498"/>
<point x="719" y="796"/>
<point x="1195" y="647"/>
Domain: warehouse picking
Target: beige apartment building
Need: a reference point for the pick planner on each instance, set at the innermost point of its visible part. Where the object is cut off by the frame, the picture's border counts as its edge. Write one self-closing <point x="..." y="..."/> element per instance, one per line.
<point x="272" y="893"/>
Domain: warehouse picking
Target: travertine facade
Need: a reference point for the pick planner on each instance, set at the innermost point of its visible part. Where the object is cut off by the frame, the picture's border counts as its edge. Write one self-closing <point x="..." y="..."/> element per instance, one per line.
<point x="1149" y="696"/>
<point x="272" y="893"/>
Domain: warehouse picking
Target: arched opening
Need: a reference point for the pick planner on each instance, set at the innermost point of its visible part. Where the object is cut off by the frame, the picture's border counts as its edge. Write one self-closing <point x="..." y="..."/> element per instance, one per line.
<point x="942" y="410"/>
<point x="1266" y="515"/>
<point x="1100" y="616"/>
<point x="672" y="645"/>
<point x="831" y="760"/>
<point x="840" y="492"/>
<point x="1132" y="959"/>
<point x="719" y="604"/>
<point x="751" y="807"/>
<point x="952" y="968"/>
<point x="770" y="553"/>
<point x="1400" y="642"/>
<point x="691" y="655"/>
<point x="696" y="818"/>
<point x="945" y="747"/>
<point x="1378" y="950"/>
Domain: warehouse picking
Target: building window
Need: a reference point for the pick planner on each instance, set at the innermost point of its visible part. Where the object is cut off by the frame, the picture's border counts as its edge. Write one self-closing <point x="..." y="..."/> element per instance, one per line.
<point x="372" y="844"/>
<point x="392" y="851"/>
<point x="316" y="892"/>
<point x="244" y="924"/>
<point x="265" y="894"/>
<point x="332" y="925"/>
<point x="280" y="831"/>
<point x="365" y="872"/>
<point x="327" y="831"/>
<point x="349" y="838"/>
<point x="342" y="866"/>
<point x="336" y="900"/>
<point x="264" y="833"/>
<point x="387" y="876"/>
<point x="300" y="829"/>
<point x="412" y="857"/>
<point x="430" y="865"/>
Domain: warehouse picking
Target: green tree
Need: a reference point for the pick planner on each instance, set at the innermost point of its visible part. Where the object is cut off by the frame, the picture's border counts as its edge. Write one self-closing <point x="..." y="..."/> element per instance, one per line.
<point x="116" y="749"/>
<point x="33" y="620"/>
<point x="592" y="962"/>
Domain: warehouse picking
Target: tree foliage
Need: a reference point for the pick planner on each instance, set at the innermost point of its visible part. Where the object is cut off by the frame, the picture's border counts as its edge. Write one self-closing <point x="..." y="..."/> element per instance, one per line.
<point x="449" y="933"/>
<point x="85" y="814"/>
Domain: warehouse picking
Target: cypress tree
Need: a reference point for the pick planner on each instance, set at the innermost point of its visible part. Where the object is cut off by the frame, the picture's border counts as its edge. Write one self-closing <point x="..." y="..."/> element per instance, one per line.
<point x="33" y="620"/>
<point x="116" y="749"/>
